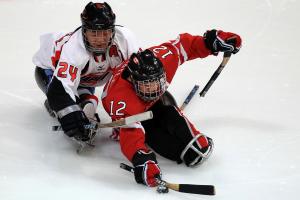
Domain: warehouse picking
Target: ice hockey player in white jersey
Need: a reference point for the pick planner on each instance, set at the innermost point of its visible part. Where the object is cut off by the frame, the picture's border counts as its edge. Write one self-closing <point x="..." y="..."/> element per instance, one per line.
<point x="70" y="66"/>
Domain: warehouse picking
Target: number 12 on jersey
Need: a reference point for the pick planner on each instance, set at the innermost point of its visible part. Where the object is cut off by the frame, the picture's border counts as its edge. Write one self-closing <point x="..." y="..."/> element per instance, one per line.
<point x="117" y="108"/>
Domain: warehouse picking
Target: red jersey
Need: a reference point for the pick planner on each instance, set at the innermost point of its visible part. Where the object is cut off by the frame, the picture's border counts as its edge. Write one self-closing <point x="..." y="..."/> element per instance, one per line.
<point x="120" y="100"/>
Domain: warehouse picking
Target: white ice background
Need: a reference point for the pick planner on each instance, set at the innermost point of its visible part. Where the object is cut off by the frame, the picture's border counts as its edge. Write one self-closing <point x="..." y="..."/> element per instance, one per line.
<point x="251" y="111"/>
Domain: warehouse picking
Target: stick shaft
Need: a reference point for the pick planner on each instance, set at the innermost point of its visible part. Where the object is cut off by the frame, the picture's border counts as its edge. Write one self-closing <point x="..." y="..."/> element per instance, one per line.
<point x="215" y="75"/>
<point x="189" y="97"/>
<point x="121" y="122"/>
<point x="186" y="188"/>
<point x="128" y="120"/>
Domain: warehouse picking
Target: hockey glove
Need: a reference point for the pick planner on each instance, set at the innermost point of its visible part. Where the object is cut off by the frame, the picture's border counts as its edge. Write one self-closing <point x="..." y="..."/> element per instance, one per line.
<point x="217" y="41"/>
<point x="76" y="124"/>
<point x="146" y="169"/>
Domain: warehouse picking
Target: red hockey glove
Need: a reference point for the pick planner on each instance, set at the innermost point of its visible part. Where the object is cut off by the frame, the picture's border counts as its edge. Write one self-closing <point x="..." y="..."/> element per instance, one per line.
<point x="217" y="41"/>
<point x="146" y="169"/>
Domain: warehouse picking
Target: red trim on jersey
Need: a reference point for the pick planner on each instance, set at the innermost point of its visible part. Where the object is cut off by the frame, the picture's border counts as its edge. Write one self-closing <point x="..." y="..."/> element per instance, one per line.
<point x="96" y="59"/>
<point x="89" y="97"/>
<point x="61" y="38"/>
<point x="57" y="53"/>
<point x="55" y="58"/>
<point x="113" y="51"/>
<point x="103" y="57"/>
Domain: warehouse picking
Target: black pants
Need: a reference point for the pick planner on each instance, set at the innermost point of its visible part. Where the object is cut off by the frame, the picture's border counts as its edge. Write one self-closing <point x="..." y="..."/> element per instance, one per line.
<point x="168" y="132"/>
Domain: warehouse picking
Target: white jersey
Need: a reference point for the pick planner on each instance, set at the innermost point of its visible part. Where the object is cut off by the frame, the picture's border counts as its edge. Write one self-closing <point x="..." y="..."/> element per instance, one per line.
<point x="73" y="65"/>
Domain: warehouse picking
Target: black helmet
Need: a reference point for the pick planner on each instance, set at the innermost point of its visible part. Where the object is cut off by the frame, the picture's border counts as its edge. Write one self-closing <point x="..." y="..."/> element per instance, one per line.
<point x="97" y="16"/>
<point x="147" y="74"/>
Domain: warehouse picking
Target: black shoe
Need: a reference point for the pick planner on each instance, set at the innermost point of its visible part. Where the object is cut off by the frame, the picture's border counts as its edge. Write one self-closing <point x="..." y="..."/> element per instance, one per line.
<point x="49" y="110"/>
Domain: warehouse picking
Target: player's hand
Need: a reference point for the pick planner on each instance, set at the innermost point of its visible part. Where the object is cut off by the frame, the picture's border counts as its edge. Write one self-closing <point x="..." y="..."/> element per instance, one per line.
<point x="75" y="125"/>
<point x="146" y="169"/>
<point x="218" y="41"/>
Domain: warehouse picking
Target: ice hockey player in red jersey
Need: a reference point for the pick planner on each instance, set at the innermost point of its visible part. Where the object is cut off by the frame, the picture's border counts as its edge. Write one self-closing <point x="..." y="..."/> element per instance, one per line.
<point x="70" y="66"/>
<point x="139" y="84"/>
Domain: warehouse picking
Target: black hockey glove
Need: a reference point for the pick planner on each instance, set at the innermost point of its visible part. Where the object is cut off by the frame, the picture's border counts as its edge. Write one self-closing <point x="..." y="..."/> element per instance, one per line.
<point x="146" y="169"/>
<point x="76" y="125"/>
<point x="217" y="41"/>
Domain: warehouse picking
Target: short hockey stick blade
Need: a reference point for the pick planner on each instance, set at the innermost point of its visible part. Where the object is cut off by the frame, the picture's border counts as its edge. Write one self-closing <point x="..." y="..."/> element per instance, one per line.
<point x="126" y="167"/>
<point x="189" y="97"/>
<point x="193" y="189"/>
<point x="128" y="120"/>
<point x="138" y="117"/>
<point x="186" y="188"/>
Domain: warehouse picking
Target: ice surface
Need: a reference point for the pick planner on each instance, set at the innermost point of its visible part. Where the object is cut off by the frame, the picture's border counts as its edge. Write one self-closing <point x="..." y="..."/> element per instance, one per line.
<point x="251" y="111"/>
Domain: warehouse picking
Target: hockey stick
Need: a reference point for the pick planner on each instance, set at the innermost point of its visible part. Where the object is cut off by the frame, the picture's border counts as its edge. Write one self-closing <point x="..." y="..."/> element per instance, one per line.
<point x="226" y="58"/>
<point x="186" y="188"/>
<point x="118" y="123"/>
<point x="189" y="97"/>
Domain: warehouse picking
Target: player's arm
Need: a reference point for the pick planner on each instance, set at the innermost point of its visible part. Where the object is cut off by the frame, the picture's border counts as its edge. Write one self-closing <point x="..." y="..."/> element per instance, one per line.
<point x="62" y="94"/>
<point x="190" y="46"/>
<point x="132" y="141"/>
<point x="132" y="137"/>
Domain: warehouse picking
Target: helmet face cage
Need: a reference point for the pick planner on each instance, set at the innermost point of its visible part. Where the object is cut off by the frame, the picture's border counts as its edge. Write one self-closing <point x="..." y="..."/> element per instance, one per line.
<point x="147" y="75"/>
<point x="97" y="41"/>
<point x="151" y="89"/>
